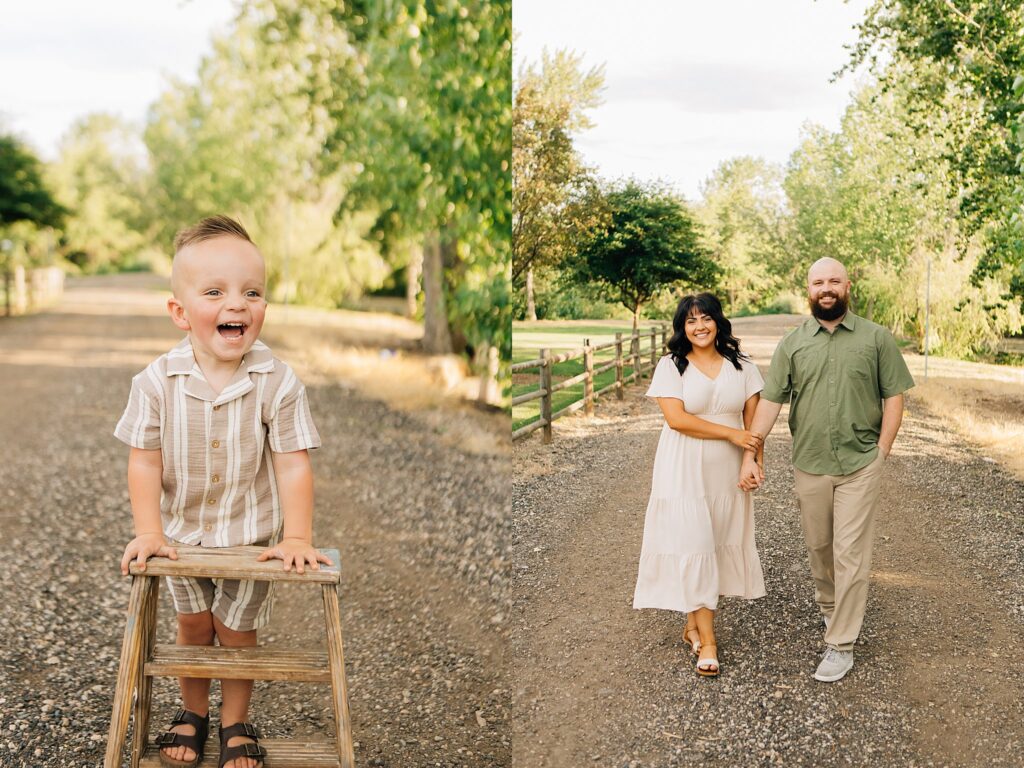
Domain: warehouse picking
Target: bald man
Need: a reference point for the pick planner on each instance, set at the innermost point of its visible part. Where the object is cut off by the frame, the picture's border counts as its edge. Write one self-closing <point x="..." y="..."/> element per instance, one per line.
<point x="844" y="379"/>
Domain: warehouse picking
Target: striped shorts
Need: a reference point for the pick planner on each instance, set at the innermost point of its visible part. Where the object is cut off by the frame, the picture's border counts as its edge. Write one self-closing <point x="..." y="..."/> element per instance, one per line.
<point x="239" y="605"/>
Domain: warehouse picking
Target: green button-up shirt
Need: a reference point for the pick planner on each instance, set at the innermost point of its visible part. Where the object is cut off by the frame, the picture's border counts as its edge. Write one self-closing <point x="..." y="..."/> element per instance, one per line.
<point x="835" y="383"/>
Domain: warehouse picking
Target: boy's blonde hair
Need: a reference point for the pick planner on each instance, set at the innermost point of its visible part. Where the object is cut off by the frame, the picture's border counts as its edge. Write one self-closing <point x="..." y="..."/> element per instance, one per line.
<point x="209" y="228"/>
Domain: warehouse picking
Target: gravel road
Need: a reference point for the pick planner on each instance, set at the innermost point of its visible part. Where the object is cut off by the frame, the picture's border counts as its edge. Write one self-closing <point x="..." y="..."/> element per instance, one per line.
<point x="421" y="522"/>
<point x="939" y="674"/>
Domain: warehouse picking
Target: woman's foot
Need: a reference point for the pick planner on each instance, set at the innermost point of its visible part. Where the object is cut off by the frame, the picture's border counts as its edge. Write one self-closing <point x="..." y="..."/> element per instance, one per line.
<point x="707" y="661"/>
<point x="691" y="637"/>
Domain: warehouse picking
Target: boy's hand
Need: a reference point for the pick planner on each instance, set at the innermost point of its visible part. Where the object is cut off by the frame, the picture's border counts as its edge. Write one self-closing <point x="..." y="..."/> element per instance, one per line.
<point x="144" y="546"/>
<point x="297" y="551"/>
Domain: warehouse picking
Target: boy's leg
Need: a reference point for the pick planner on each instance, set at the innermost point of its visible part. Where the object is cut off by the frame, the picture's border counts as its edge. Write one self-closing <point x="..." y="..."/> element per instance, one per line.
<point x="193" y="629"/>
<point x="236" y="693"/>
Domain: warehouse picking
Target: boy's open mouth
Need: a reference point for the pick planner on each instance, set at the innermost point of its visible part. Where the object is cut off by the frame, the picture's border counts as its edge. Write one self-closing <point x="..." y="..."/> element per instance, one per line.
<point x="231" y="330"/>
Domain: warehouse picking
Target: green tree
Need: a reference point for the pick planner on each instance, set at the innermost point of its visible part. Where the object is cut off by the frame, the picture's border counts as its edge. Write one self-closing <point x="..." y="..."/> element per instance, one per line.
<point x="743" y="216"/>
<point x="960" y="60"/>
<point x="100" y="176"/>
<point x="651" y="243"/>
<point x="24" y="195"/>
<point x="550" y="104"/>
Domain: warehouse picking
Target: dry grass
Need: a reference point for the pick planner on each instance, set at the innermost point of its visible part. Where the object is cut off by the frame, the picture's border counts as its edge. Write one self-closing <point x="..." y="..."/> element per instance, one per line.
<point x="988" y="413"/>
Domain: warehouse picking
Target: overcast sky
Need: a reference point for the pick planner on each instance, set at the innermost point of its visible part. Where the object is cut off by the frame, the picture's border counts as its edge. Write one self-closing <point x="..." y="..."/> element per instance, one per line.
<point x="691" y="83"/>
<point x="62" y="59"/>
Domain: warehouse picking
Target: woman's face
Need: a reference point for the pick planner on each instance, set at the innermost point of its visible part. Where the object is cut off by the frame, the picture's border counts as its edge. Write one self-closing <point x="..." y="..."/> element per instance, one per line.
<point x="701" y="330"/>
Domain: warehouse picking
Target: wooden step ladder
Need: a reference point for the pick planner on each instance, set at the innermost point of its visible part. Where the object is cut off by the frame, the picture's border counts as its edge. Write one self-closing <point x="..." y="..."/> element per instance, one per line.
<point x="142" y="659"/>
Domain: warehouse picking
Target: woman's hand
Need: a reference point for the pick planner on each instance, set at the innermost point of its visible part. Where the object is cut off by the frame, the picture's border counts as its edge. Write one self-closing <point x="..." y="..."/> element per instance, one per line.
<point x="745" y="439"/>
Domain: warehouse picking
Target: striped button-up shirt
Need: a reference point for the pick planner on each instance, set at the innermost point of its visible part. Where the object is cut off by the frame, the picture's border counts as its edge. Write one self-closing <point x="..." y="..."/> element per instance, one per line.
<point x="218" y="473"/>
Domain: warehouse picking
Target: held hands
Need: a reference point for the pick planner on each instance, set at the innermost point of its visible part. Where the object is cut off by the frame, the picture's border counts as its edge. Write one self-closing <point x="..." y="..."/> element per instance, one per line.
<point x="297" y="552"/>
<point x="751" y="473"/>
<point x="745" y="439"/>
<point x="146" y="545"/>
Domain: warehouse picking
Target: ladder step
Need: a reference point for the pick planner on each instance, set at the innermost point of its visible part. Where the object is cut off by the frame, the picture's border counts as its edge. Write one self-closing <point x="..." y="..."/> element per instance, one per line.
<point x="281" y="753"/>
<point x="235" y="563"/>
<point x="238" y="663"/>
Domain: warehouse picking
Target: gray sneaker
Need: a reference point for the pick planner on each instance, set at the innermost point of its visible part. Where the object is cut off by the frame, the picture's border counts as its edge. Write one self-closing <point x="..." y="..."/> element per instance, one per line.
<point x="834" y="665"/>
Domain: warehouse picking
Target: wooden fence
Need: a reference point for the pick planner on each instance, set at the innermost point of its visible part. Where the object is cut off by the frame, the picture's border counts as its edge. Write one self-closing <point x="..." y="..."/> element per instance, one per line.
<point x="547" y="387"/>
<point x="26" y="290"/>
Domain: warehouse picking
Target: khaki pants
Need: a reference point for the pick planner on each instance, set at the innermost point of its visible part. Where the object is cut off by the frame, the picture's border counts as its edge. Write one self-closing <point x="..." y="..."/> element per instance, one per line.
<point x="837" y="513"/>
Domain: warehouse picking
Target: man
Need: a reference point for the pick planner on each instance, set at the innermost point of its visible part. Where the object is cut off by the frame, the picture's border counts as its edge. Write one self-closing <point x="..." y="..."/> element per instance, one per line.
<point x="844" y="379"/>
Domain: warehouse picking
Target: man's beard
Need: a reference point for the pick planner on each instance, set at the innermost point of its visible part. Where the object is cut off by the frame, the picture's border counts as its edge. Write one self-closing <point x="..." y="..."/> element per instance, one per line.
<point x="837" y="310"/>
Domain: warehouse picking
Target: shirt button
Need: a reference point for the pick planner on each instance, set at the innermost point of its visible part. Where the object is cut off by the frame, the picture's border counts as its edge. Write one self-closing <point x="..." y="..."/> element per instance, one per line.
<point x="211" y="501"/>
<point x="215" y="444"/>
<point x="208" y="527"/>
<point x="216" y="407"/>
<point x="215" y="479"/>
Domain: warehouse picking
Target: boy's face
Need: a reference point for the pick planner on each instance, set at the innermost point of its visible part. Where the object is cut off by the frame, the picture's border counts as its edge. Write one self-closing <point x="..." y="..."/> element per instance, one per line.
<point x="219" y="287"/>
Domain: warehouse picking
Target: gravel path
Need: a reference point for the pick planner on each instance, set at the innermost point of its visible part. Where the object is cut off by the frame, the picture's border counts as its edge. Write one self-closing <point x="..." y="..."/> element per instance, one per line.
<point x="421" y="523"/>
<point x="939" y="675"/>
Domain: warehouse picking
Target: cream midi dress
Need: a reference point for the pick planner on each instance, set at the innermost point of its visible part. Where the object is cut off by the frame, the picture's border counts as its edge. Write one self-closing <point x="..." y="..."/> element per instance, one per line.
<point x="699" y="530"/>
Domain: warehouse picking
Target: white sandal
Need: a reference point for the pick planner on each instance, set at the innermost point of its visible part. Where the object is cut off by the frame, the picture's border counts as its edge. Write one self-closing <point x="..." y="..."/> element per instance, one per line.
<point x="704" y="666"/>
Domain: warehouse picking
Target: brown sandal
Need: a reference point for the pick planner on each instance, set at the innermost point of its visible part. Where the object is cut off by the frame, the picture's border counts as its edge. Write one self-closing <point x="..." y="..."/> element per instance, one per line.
<point x="694" y="646"/>
<point x="248" y="749"/>
<point x="196" y="741"/>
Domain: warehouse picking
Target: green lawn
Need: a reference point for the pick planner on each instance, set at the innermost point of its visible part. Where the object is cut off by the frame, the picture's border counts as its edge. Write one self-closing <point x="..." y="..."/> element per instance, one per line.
<point x="528" y="338"/>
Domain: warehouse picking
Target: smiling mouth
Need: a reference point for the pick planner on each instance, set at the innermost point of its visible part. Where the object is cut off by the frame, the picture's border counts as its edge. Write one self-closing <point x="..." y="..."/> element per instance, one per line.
<point x="232" y="330"/>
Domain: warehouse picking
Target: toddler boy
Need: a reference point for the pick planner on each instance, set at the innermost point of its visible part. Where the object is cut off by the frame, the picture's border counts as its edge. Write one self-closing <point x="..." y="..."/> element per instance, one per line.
<point x="219" y="431"/>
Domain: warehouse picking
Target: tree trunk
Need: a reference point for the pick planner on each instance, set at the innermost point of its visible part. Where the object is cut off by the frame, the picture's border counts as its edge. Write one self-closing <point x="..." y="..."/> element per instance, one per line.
<point x="412" y="279"/>
<point x="437" y="338"/>
<point x="531" y="304"/>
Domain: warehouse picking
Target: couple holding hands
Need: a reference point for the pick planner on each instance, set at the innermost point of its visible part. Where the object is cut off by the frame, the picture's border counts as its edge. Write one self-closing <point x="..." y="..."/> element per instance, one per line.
<point x="844" y="379"/>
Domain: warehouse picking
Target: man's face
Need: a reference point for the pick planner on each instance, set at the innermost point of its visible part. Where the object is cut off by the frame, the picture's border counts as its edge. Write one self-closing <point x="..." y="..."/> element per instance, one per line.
<point x="828" y="291"/>
<point x="219" y="288"/>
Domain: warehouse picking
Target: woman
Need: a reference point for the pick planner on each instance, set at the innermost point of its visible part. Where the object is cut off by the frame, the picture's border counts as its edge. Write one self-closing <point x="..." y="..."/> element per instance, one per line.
<point x="699" y="531"/>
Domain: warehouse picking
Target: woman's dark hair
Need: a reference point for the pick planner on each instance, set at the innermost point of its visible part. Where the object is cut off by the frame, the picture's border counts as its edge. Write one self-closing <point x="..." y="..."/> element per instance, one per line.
<point x="703" y="304"/>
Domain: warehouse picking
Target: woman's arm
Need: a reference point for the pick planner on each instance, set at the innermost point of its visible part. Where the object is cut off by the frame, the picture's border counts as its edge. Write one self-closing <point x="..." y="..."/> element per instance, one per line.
<point x="693" y="426"/>
<point x="749" y="408"/>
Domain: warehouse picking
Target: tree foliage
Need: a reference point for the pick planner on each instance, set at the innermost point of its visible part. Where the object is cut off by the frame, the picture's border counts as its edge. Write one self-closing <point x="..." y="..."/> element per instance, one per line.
<point x="550" y="104"/>
<point x="958" y="61"/>
<point x="24" y="194"/>
<point x="650" y="243"/>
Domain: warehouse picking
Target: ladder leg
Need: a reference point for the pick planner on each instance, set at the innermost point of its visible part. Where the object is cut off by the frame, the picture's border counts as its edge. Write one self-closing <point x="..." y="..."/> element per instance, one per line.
<point x="339" y="687"/>
<point x="140" y="735"/>
<point x="127" y="673"/>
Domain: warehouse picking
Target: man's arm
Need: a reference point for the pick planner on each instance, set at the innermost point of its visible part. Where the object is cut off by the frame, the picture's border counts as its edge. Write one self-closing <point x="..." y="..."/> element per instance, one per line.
<point x="751" y="473"/>
<point x="294" y="475"/>
<point x="892" y="417"/>
<point x="145" y="479"/>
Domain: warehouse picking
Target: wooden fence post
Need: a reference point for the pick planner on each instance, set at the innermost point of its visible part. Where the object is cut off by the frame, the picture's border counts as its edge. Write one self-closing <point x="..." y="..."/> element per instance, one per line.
<point x="636" y="355"/>
<point x="654" y="349"/>
<point x="664" y="339"/>
<point x="588" y="383"/>
<point x="545" y="401"/>
<point x="619" y="394"/>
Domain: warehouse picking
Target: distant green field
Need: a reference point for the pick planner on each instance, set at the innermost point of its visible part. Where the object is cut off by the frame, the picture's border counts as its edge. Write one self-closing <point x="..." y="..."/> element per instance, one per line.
<point x="528" y="338"/>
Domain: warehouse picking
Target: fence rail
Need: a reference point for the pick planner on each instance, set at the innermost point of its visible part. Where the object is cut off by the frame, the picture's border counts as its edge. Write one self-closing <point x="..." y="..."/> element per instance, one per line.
<point x="544" y="365"/>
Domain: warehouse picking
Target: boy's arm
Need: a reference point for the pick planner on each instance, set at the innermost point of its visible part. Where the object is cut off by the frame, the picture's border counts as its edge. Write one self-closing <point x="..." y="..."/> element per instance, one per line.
<point x="145" y="476"/>
<point x="294" y="475"/>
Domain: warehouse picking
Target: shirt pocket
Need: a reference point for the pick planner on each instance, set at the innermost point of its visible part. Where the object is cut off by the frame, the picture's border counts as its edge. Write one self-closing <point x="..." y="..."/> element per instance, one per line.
<point x="861" y="363"/>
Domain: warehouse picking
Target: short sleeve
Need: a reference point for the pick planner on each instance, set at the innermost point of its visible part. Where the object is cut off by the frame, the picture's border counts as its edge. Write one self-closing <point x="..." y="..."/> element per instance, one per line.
<point x="893" y="375"/>
<point x="139" y="426"/>
<point x="752" y="381"/>
<point x="666" y="381"/>
<point x="291" y="426"/>
<point x="779" y="384"/>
